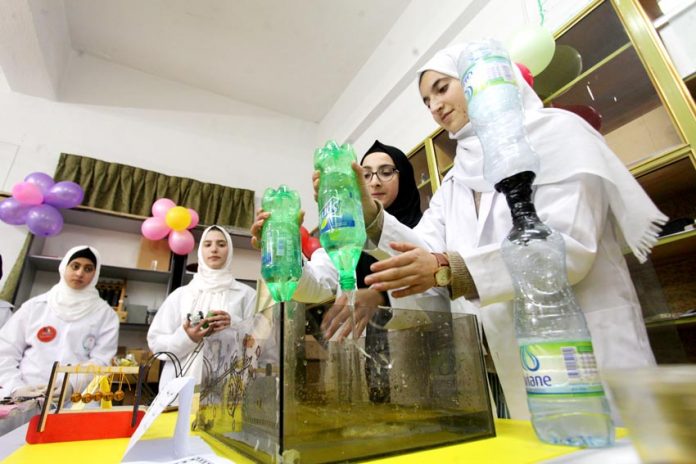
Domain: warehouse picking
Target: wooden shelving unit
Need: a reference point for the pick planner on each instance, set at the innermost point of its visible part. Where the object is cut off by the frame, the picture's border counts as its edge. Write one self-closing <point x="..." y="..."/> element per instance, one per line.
<point x="648" y="120"/>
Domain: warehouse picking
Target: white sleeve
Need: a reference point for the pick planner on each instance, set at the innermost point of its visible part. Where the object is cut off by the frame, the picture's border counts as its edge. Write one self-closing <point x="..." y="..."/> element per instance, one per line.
<point x="166" y="332"/>
<point x="12" y="346"/>
<point x="576" y="208"/>
<point x="107" y="340"/>
<point x="249" y="303"/>
<point x="319" y="279"/>
<point x="429" y="234"/>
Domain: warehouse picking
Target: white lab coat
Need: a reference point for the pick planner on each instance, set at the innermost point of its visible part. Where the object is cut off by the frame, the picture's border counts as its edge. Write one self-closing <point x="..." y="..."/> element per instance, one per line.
<point x="25" y="360"/>
<point x="5" y="312"/>
<point x="166" y="332"/>
<point x="578" y="209"/>
<point x="319" y="282"/>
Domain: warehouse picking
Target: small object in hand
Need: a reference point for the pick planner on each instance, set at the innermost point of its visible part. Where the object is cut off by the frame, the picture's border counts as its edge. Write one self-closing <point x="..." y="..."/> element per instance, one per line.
<point x="210" y="314"/>
<point x="195" y="318"/>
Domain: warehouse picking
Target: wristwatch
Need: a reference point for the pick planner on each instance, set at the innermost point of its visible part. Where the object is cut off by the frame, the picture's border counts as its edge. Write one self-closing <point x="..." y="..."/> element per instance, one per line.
<point x="443" y="274"/>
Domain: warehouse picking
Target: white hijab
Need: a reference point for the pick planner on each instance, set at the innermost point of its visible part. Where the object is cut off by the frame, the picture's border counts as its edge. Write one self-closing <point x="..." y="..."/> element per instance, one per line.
<point x="69" y="304"/>
<point x="211" y="288"/>
<point x="567" y="145"/>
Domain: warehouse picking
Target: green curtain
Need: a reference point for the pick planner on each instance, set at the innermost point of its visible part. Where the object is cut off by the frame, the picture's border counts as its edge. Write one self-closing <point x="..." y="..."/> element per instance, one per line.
<point x="126" y="189"/>
<point x="12" y="280"/>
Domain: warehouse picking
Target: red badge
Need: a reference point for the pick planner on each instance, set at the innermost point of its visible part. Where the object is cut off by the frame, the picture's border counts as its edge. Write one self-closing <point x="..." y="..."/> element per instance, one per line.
<point x="46" y="333"/>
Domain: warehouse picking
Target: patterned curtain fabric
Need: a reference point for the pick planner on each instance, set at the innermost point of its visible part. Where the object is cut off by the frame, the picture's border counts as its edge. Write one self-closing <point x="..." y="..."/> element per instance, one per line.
<point x="126" y="189"/>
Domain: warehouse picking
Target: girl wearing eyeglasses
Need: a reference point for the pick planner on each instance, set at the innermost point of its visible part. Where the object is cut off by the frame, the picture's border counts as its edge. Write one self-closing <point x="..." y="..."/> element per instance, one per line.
<point x="582" y="190"/>
<point x="390" y="180"/>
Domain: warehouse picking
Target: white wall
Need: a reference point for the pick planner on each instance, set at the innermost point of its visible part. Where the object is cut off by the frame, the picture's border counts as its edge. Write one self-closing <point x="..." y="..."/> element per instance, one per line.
<point x="121" y="115"/>
<point x="117" y="114"/>
<point x="383" y="102"/>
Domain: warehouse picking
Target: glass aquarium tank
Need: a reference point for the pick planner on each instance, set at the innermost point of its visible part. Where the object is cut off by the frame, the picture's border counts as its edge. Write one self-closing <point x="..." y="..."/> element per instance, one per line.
<point x="420" y="383"/>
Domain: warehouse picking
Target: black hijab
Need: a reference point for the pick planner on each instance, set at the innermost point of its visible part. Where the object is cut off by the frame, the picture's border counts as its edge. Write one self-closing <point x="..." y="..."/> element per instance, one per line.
<point x="84" y="253"/>
<point x="406" y="205"/>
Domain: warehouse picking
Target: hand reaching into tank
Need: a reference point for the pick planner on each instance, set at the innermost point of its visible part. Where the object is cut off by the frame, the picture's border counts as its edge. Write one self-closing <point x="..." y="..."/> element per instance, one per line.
<point x="338" y="316"/>
<point x="259" y="221"/>
<point x="411" y="272"/>
<point x="369" y="205"/>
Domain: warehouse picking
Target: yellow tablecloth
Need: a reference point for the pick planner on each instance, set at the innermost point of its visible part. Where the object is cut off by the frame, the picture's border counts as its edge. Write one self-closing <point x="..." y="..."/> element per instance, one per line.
<point x="515" y="443"/>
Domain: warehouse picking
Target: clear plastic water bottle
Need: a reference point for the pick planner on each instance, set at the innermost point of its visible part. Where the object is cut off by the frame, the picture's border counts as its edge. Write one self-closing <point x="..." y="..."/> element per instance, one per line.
<point x="281" y="259"/>
<point x="495" y="110"/>
<point x="564" y="391"/>
<point x="341" y="223"/>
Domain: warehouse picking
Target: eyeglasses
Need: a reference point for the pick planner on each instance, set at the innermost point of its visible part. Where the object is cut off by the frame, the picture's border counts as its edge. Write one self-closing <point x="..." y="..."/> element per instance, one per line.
<point x="383" y="173"/>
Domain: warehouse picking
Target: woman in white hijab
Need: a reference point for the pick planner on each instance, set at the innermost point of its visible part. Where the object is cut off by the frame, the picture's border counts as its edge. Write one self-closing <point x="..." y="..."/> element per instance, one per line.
<point x="70" y="324"/>
<point x="582" y="190"/>
<point x="213" y="294"/>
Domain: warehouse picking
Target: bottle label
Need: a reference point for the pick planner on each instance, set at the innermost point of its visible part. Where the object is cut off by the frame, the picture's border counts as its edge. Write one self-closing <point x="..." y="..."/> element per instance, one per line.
<point x="566" y="368"/>
<point x="331" y="219"/>
<point x="276" y="250"/>
<point x="487" y="72"/>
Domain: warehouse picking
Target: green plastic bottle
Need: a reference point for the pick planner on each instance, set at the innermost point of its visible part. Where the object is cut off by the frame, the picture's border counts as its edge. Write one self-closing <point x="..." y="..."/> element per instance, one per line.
<point x="281" y="258"/>
<point x="341" y="223"/>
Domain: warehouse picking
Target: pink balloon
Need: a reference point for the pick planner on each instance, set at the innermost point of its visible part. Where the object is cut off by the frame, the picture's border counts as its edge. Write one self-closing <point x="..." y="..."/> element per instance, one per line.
<point x="161" y="206"/>
<point x="181" y="242"/>
<point x="27" y="193"/>
<point x="154" y="228"/>
<point x="194" y="218"/>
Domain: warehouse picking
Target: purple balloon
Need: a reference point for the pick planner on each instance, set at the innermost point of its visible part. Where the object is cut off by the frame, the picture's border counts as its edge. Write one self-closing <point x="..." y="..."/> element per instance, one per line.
<point x="64" y="194"/>
<point x="44" y="220"/>
<point x="41" y="180"/>
<point x="13" y="212"/>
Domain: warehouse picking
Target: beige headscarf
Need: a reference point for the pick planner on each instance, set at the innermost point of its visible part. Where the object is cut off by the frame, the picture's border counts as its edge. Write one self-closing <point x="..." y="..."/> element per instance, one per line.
<point x="567" y="145"/>
<point x="210" y="288"/>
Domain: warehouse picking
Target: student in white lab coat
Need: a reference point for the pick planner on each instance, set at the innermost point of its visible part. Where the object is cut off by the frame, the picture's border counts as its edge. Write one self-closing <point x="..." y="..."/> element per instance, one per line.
<point x="214" y="293"/>
<point x="70" y="324"/>
<point x="390" y="179"/>
<point x="582" y="190"/>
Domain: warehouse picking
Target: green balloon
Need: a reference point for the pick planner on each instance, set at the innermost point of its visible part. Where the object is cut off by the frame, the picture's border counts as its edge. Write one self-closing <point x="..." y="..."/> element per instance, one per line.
<point x="533" y="46"/>
<point x="565" y="66"/>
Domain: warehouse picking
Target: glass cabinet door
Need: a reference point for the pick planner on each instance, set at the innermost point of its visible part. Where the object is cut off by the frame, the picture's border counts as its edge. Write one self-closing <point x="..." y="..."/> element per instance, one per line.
<point x="613" y="86"/>
<point x="421" y="173"/>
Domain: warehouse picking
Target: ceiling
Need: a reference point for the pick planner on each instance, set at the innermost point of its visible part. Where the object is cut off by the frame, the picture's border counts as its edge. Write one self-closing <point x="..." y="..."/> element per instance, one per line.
<point x="295" y="57"/>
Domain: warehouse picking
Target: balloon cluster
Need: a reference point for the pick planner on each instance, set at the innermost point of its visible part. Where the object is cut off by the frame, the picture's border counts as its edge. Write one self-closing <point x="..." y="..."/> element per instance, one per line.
<point x="532" y="46"/>
<point x="171" y="220"/>
<point x="309" y="244"/>
<point x="36" y="202"/>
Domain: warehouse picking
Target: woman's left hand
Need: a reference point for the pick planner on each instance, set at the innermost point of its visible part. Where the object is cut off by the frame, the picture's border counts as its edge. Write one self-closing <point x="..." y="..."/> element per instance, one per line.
<point x="220" y="320"/>
<point x="413" y="271"/>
